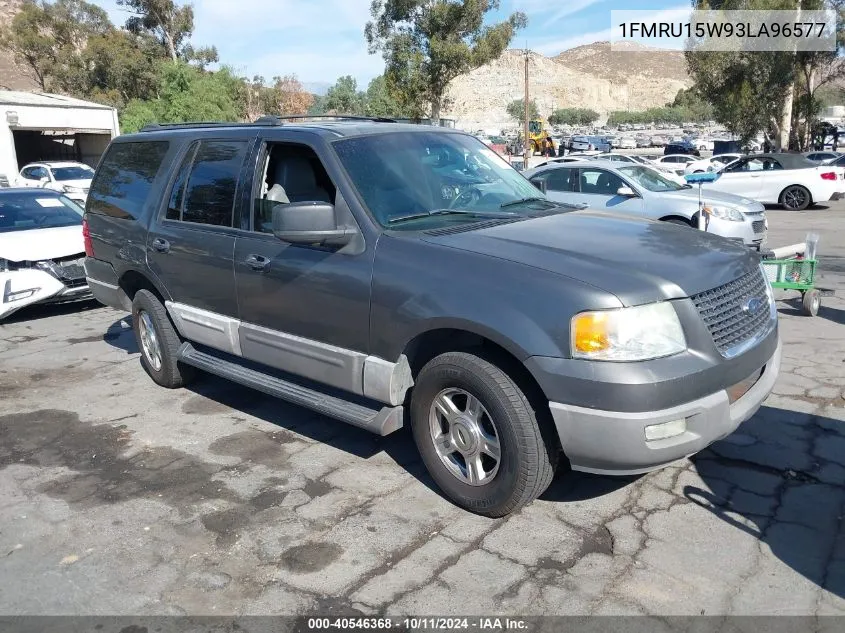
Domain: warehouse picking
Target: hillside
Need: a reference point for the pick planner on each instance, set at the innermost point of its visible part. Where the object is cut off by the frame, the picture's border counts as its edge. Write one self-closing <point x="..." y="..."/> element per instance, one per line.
<point x="12" y="76"/>
<point x="589" y="76"/>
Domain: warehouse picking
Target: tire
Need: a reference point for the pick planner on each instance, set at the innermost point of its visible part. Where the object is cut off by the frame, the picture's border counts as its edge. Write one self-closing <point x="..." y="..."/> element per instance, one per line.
<point x="811" y="302"/>
<point x="795" y="198"/>
<point x="526" y="462"/>
<point x="158" y="341"/>
<point x="698" y="171"/>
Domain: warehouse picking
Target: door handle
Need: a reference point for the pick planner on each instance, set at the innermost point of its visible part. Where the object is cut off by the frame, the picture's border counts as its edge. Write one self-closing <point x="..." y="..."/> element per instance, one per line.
<point x="257" y="262"/>
<point x="161" y="245"/>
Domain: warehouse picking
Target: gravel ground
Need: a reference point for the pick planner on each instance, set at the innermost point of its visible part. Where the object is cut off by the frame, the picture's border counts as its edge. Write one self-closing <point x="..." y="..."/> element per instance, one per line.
<point x="119" y="497"/>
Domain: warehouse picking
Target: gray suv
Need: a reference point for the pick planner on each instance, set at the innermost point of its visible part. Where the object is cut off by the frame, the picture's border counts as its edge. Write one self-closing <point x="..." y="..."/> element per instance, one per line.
<point x="390" y="275"/>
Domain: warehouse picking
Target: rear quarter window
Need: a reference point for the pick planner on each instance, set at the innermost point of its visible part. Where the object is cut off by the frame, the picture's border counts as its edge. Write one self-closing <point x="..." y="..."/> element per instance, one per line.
<point x="124" y="180"/>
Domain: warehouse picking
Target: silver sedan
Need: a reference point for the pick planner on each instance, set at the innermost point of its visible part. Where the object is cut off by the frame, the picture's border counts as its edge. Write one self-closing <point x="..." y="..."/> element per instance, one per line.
<point x="644" y="192"/>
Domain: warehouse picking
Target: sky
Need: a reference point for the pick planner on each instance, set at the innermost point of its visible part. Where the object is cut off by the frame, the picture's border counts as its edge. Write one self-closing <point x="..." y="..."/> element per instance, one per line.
<point x="321" y="40"/>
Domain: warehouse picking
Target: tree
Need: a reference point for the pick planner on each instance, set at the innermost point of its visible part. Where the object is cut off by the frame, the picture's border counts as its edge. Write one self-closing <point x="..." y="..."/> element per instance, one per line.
<point x="185" y="94"/>
<point x="344" y="97"/>
<point x="46" y="38"/>
<point x="290" y="96"/>
<point x="381" y="102"/>
<point x="172" y="24"/>
<point x="516" y="110"/>
<point x="427" y="43"/>
<point x="120" y="67"/>
<point x="573" y="116"/>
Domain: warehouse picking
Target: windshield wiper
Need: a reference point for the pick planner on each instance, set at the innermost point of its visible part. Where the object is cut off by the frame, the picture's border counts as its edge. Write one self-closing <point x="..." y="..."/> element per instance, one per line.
<point x="426" y="214"/>
<point x="513" y="203"/>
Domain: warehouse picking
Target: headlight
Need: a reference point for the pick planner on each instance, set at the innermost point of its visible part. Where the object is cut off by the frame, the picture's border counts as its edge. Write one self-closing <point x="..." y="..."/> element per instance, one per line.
<point x="627" y="334"/>
<point x="726" y="213"/>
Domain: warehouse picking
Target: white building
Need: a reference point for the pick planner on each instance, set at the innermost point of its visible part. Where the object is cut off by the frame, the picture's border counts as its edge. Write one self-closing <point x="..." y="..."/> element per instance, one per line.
<point x="40" y="126"/>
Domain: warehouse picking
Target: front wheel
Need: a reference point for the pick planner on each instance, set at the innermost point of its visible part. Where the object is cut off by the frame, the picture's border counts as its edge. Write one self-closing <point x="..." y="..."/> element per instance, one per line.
<point x="811" y="302"/>
<point x="478" y="435"/>
<point x="795" y="198"/>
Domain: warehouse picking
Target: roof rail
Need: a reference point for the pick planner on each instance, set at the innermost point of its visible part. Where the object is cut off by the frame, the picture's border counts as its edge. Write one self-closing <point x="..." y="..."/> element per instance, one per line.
<point x="267" y="120"/>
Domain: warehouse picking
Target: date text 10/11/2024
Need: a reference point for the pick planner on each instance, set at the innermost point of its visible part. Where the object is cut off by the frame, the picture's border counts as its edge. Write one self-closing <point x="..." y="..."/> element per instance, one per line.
<point x="419" y="623"/>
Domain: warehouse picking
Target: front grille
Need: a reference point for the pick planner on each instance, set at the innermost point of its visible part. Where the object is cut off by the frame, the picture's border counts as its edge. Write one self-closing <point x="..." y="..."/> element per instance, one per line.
<point x="730" y="314"/>
<point x="759" y="226"/>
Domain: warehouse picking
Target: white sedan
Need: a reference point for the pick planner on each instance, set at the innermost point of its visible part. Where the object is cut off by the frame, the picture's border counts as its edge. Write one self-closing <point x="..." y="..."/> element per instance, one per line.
<point x="68" y="177"/>
<point x="42" y="249"/>
<point x="714" y="163"/>
<point x="674" y="162"/>
<point x="789" y="180"/>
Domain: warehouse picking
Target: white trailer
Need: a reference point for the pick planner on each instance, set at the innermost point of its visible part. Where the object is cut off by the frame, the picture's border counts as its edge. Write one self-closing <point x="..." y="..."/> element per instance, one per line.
<point x="42" y="127"/>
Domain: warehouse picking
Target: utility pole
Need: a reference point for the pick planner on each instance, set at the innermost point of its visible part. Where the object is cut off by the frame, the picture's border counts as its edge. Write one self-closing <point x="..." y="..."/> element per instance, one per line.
<point x="527" y="112"/>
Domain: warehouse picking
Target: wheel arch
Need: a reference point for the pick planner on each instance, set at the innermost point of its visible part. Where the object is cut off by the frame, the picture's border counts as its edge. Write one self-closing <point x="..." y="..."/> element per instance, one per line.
<point x="675" y="216"/>
<point x="131" y="281"/>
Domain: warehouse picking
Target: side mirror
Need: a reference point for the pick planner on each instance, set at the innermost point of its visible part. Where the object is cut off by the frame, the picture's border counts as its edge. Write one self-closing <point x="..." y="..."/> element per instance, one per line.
<point x="626" y="192"/>
<point x="309" y="223"/>
<point x="540" y="183"/>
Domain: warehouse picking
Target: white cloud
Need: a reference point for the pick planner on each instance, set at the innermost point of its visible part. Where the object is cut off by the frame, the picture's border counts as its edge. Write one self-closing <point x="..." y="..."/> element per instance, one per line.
<point x="553" y="47"/>
<point x="553" y="11"/>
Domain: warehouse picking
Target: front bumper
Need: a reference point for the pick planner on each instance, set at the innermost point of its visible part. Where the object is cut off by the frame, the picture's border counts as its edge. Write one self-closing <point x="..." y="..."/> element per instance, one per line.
<point x="751" y="231"/>
<point x="614" y="442"/>
<point x="21" y="288"/>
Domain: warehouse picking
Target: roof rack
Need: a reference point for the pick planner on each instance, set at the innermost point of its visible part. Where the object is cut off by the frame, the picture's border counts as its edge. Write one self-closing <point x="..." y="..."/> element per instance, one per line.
<point x="268" y="120"/>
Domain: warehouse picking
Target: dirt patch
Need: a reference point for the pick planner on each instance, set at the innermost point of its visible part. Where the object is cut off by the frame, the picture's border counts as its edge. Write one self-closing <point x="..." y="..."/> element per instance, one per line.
<point x="311" y="557"/>
<point x="53" y="437"/>
<point x="226" y="524"/>
<point x="267" y="499"/>
<point x="316" y="488"/>
<point x="200" y="405"/>
<point x="108" y="336"/>
<point x="254" y="446"/>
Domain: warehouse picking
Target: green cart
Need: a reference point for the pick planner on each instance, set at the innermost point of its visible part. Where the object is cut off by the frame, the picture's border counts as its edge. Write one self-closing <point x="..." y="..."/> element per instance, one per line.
<point x="797" y="274"/>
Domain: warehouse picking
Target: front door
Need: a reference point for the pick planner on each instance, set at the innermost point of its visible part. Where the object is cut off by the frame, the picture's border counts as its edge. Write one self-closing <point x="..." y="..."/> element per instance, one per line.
<point x="303" y="309"/>
<point x="742" y="178"/>
<point x="190" y="247"/>
<point x="597" y="188"/>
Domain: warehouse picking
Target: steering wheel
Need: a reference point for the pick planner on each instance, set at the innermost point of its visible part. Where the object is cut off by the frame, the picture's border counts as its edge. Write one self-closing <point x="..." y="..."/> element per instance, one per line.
<point x="466" y="197"/>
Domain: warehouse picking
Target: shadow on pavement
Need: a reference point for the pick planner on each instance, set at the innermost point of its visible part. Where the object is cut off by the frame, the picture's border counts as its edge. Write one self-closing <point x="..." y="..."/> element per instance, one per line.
<point x="780" y="478"/>
<point x="45" y="311"/>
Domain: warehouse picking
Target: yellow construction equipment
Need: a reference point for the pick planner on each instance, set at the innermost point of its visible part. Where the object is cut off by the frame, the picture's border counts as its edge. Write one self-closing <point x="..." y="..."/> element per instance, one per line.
<point x="537" y="134"/>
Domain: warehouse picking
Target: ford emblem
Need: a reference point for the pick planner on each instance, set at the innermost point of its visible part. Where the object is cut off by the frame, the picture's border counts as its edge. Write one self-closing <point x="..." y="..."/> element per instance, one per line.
<point x="752" y="305"/>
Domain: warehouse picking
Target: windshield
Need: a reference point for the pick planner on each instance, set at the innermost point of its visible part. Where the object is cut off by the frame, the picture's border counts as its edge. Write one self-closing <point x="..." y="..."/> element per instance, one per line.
<point x="73" y="173"/>
<point x="650" y="179"/>
<point x="422" y="180"/>
<point x="24" y="212"/>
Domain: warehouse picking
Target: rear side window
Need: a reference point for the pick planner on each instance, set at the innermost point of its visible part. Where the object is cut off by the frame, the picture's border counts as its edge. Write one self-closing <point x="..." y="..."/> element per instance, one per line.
<point x="209" y="194"/>
<point x="125" y="178"/>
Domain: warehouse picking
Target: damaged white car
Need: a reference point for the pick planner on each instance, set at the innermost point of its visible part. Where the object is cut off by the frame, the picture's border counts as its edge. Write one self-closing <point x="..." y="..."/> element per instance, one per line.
<point x="42" y="249"/>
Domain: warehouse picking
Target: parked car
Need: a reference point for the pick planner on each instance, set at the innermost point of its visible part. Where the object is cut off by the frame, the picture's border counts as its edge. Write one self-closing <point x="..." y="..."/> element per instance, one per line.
<point x="627" y="142"/>
<point x="41" y="249"/>
<point x="822" y="158"/>
<point x="681" y="148"/>
<point x="643" y="141"/>
<point x="561" y="159"/>
<point x="702" y="144"/>
<point x="714" y="163"/>
<point x="789" y="180"/>
<point x="589" y="143"/>
<point x="657" y="141"/>
<point x="389" y="274"/>
<point x="674" y="162"/>
<point x="70" y="178"/>
<point x="644" y="192"/>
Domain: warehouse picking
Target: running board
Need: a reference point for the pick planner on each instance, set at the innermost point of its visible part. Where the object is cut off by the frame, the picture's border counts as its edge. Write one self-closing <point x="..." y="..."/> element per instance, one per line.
<point x="379" y="421"/>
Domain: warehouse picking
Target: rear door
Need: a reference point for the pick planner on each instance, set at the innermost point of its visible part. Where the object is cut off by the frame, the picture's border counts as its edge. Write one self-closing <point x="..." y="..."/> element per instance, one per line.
<point x="191" y="245"/>
<point x="561" y="184"/>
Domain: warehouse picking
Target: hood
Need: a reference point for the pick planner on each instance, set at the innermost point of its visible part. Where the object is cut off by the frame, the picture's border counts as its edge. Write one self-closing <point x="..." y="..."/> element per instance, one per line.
<point x="715" y="197"/>
<point x="637" y="260"/>
<point x="37" y="244"/>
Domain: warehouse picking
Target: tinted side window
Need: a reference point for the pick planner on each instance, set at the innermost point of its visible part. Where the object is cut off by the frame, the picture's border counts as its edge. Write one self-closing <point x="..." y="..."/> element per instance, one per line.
<point x="561" y="180"/>
<point x="210" y="192"/>
<point x="600" y="182"/>
<point x="177" y="193"/>
<point x="124" y="180"/>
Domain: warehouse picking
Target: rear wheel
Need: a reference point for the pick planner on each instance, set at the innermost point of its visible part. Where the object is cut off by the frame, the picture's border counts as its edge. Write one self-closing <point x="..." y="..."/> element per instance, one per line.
<point x="158" y="341"/>
<point x="795" y="198"/>
<point x="478" y="435"/>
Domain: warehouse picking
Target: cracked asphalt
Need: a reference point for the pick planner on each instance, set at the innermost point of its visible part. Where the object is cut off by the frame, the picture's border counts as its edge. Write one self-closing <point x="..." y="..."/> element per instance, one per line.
<point x="119" y="497"/>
